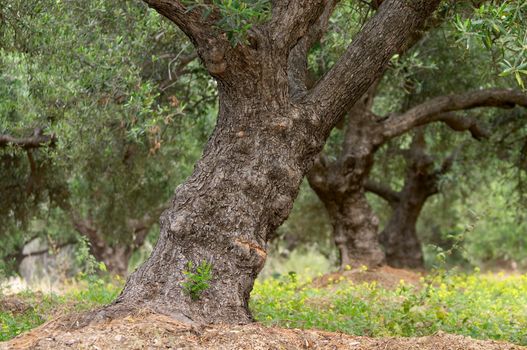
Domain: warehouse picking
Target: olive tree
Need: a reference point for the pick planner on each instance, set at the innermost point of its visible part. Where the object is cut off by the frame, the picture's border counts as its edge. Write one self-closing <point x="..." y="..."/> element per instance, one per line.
<point x="269" y="130"/>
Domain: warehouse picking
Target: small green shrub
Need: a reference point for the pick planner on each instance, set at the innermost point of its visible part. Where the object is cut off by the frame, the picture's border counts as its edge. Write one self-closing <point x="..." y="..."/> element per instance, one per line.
<point x="197" y="279"/>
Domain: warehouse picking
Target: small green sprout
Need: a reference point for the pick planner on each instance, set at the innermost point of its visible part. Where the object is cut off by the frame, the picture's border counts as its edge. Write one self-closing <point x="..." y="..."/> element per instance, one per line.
<point x="197" y="279"/>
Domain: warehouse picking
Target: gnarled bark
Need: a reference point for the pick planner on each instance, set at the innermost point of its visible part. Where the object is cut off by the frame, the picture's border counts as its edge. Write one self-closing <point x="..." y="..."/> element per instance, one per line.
<point x="264" y="142"/>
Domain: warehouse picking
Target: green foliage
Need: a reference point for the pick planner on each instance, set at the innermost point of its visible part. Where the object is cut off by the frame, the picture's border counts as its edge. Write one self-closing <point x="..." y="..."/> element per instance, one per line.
<point x="89" y="265"/>
<point x="197" y="279"/>
<point x="502" y="29"/>
<point x="484" y="306"/>
<point x="236" y="17"/>
<point x="105" y="78"/>
<point x="480" y="306"/>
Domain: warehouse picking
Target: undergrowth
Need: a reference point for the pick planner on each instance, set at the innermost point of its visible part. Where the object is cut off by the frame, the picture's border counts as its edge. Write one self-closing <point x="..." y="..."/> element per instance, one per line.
<point x="36" y="308"/>
<point x="484" y="306"/>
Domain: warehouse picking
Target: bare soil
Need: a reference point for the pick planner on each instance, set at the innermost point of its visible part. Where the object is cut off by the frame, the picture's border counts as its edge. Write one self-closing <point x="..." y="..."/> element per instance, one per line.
<point x="385" y="276"/>
<point x="153" y="331"/>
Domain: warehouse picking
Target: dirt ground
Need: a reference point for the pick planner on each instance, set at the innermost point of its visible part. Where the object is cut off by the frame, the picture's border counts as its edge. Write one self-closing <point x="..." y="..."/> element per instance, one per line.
<point x="154" y="331"/>
<point x="13" y="304"/>
<point x="386" y="276"/>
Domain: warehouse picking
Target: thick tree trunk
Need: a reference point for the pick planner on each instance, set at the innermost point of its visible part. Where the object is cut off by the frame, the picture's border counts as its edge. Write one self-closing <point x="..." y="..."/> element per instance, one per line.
<point x="240" y="191"/>
<point x="265" y="140"/>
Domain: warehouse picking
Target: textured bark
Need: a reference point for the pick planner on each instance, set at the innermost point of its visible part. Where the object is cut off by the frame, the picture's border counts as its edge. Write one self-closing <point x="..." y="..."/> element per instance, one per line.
<point x="226" y="211"/>
<point x="265" y="140"/>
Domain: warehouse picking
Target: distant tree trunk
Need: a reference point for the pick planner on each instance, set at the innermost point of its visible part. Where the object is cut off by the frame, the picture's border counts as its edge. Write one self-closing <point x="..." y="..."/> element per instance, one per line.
<point x="399" y="237"/>
<point x="355" y="228"/>
<point x="115" y="256"/>
<point x="339" y="185"/>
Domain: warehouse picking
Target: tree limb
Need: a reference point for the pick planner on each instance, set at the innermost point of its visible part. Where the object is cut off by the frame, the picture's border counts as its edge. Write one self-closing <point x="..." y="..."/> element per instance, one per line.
<point x="382" y="191"/>
<point x="34" y="141"/>
<point x="435" y="109"/>
<point x="292" y="19"/>
<point x="211" y="44"/>
<point x="297" y="61"/>
<point x="191" y="22"/>
<point x="384" y="35"/>
<point x="19" y="256"/>
<point x="461" y="123"/>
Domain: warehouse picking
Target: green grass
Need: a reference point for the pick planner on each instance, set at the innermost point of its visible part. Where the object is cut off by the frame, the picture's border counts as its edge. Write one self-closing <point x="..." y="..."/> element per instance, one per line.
<point x="44" y="306"/>
<point x="478" y="305"/>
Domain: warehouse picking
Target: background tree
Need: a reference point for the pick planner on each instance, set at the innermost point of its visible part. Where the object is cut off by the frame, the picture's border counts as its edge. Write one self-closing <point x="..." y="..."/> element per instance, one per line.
<point x="339" y="179"/>
<point x="403" y="247"/>
<point x="127" y="118"/>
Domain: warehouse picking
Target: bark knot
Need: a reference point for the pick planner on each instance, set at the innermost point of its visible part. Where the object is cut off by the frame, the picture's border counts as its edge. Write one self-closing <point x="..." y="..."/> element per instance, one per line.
<point x="248" y="248"/>
<point x="215" y="60"/>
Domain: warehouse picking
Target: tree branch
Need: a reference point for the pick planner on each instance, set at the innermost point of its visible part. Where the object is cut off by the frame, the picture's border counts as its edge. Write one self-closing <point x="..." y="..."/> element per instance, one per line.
<point x="211" y="44"/>
<point x="460" y="123"/>
<point x="384" y="35"/>
<point x="382" y="191"/>
<point x="34" y="141"/>
<point x="19" y="256"/>
<point x="435" y="109"/>
<point x="291" y="20"/>
<point x="191" y="22"/>
<point x="297" y="61"/>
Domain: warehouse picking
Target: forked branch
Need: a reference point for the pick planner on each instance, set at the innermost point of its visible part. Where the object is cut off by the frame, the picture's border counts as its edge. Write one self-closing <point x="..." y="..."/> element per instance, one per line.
<point x="292" y="19"/>
<point x="190" y="20"/>
<point x="297" y="61"/>
<point x="437" y="109"/>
